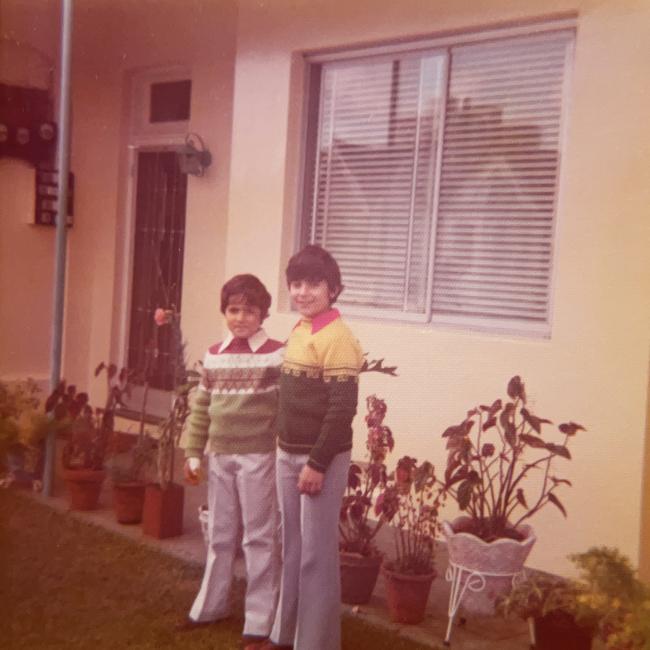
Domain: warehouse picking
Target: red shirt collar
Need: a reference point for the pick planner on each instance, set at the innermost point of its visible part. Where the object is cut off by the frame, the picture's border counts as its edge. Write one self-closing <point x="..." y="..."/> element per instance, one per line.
<point x="321" y="320"/>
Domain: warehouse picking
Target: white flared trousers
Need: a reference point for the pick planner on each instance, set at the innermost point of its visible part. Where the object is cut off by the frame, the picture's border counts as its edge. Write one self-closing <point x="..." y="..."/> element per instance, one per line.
<point x="241" y="484"/>
<point x="309" y="607"/>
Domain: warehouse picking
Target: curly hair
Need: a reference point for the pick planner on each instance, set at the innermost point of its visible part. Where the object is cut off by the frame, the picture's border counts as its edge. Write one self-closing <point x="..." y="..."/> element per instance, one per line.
<point x="248" y="288"/>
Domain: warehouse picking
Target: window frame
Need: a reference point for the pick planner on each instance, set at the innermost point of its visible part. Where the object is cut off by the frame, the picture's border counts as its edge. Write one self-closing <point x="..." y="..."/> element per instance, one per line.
<point x="436" y="45"/>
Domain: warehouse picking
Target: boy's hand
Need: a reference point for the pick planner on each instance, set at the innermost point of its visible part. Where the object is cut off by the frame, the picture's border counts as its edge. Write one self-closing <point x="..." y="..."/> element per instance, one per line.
<point x="192" y="471"/>
<point x="310" y="481"/>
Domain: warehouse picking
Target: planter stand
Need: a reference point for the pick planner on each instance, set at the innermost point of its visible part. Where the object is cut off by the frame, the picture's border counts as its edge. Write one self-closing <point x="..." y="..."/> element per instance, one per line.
<point x="462" y="579"/>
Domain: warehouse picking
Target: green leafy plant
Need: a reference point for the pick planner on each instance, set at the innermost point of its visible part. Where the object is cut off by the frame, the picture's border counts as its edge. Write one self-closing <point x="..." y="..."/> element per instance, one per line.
<point x="118" y="385"/>
<point x="607" y="597"/>
<point x="377" y="365"/>
<point x="411" y="502"/>
<point x="489" y="459"/>
<point x="70" y="412"/>
<point x="609" y="589"/>
<point x="20" y="428"/>
<point x="16" y="399"/>
<point x="129" y="466"/>
<point x="185" y="380"/>
<point x="89" y="429"/>
<point x="357" y="530"/>
<point x="132" y="466"/>
<point x="539" y="594"/>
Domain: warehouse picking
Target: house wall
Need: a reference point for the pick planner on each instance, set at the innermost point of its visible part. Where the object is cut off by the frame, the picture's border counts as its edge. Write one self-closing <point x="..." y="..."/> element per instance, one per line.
<point x="26" y="250"/>
<point x="198" y="35"/>
<point x="241" y="217"/>
<point x="593" y="369"/>
<point x="112" y="41"/>
<point x="644" y="552"/>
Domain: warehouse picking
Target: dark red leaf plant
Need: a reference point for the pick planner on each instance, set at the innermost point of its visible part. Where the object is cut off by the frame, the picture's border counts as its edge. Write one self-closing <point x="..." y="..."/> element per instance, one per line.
<point x="411" y="502"/>
<point x="491" y="453"/>
<point x="357" y="529"/>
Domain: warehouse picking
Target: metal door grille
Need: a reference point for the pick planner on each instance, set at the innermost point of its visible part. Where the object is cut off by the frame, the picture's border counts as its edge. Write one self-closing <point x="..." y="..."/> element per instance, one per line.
<point x="158" y="262"/>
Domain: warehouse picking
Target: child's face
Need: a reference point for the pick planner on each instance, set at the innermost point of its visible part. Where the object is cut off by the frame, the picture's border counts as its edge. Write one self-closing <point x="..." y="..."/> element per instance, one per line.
<point x="242" y="320"/>
<point x="311" y="297"/>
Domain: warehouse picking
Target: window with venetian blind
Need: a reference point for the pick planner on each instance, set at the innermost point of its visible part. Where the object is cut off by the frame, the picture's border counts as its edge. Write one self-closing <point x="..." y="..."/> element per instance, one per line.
<point x="432" y="177"/>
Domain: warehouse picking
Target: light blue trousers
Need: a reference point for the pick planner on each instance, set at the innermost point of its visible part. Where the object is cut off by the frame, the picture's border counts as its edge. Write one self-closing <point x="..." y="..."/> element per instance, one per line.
<point x="309" y="607"/>
<point x="241" y="483"/>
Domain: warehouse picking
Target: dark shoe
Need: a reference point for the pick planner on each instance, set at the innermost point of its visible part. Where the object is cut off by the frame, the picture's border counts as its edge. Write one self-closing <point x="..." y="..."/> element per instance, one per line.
<point x="269" y="645"/>
<point x="187" y="625"/>
<point x="253" y="642"/>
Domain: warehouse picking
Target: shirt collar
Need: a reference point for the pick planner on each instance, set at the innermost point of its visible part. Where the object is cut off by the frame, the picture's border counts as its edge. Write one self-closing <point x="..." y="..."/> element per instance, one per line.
<point x="255" y="342"/>
<point x="321" y="320"/>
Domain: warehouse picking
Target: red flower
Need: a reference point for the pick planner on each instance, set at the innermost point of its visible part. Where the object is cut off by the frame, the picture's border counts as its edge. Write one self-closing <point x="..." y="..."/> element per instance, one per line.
<point x="162" y="316"/>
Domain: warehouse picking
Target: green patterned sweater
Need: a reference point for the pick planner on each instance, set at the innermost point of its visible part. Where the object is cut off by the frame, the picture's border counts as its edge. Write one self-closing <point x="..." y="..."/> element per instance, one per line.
<point x="235" y="408"/>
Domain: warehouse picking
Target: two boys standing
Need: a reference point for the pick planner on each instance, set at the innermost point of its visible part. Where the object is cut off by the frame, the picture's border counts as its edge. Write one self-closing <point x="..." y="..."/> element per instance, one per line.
<point x="311" y="386"/>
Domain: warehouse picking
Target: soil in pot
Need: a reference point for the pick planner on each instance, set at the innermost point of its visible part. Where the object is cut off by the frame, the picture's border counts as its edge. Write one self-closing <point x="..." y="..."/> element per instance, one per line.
<point x="128" y="502"/>
<point x="559" y="631"/>
<point x="84" y="487"/>
<point x="358" y="577"/>
<point x="473" y="527"/>
<point x="407" y="595"/>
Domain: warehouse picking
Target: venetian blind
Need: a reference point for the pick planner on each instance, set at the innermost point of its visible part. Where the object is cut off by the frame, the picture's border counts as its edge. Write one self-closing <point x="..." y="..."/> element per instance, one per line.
<point x="374" y="176"/>
<point x="498" y="189"/>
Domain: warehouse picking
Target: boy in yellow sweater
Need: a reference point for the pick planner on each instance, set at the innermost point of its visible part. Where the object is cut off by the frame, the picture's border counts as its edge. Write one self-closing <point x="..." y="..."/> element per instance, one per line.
<point x="318" y="400"/>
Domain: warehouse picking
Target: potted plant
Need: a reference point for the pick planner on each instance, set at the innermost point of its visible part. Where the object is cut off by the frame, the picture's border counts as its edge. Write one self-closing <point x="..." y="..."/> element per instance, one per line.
<point x="163" y="500"/>
<point x="360" y="558"/>
<point x="606" y="600"/>
<point x="21" y="433"/>
<point x="611" y="594"/>
<point x="129" y="458"/>
<point x="411" y="501"/>
<point x="85" y="449"/>
<point x="128" y="476"/>
<point x="550" y="604"/>
<point x="492" y="453"/>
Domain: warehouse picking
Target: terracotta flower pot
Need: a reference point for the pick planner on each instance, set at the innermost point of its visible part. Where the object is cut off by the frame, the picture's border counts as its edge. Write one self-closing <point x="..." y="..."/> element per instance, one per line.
<point x="128" y="502"/>
<point x="358" y="577"/>
<point x="407" y="595"/>
<point x="486" y="568"/>
<point x="83" y="487"/>
<point x="557" y="630"/>
<point x="163" y="510"/>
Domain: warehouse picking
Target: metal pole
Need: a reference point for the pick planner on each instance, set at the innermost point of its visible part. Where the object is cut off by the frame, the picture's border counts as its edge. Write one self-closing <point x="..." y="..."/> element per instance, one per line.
<point x="63" y="167"/>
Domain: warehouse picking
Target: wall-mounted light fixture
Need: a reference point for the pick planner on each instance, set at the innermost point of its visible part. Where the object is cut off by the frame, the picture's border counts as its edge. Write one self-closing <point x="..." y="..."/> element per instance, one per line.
<point x="193" y="157"/>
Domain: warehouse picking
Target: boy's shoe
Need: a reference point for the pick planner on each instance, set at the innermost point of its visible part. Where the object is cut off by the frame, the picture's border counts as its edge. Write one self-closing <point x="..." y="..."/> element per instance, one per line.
<point x="188" y="624"/>
<point x="269" y="645"/>
<point x="253" y="642"/>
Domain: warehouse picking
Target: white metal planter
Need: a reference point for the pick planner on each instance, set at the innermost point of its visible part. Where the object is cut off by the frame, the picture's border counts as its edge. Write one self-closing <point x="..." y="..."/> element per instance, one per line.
<point x="480" y="572"/>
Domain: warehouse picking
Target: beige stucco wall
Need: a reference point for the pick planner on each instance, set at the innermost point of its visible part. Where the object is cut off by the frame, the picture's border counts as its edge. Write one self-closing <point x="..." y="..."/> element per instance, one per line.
<point x="26" y="269"/>
<point x="593" y="369"/>
<point x="241" y="217"/>
<point x="644" y="552"/>
<point x="112" y="40"/>
<point x="26" y="251"/>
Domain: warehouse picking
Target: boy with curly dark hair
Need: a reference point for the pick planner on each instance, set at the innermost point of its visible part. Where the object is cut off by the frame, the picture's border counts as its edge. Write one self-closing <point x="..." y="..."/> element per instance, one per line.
<point x="234" y="412"/>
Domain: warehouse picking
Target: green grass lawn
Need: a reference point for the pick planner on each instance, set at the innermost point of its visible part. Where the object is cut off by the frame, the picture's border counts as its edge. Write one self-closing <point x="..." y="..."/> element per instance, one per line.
<point x="68" y="584"/>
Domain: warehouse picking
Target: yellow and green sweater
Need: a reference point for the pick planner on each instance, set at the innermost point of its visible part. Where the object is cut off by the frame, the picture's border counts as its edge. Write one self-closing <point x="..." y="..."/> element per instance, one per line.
<point x="319" y="389"/>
